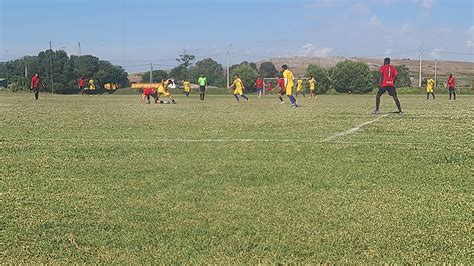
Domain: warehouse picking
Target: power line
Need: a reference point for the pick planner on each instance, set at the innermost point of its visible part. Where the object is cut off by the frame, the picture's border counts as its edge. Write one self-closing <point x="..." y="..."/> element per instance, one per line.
<point x="387" y="54"/>
<point x="449" y="52"/>
<point x="247" y="55"/>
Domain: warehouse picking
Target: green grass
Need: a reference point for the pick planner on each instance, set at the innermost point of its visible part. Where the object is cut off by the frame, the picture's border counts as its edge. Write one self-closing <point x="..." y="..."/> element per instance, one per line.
<point x="103" y="179"/>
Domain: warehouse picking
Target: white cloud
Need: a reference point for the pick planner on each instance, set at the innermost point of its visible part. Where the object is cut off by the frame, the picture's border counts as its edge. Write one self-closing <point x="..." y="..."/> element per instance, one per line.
<point x="435" y="53"/>
<point x="375" y="21"/>
<point x="405" y="28"/>
<point x="470" y="38"/>
<point x="425" y="4"/>
<point x="388" y="52"/>
<point x="310" y="50"/>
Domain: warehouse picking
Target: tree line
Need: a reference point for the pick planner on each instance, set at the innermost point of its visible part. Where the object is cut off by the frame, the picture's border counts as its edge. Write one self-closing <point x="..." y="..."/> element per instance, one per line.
<point x="66" y="71"/>
<point x="345" y="77"/>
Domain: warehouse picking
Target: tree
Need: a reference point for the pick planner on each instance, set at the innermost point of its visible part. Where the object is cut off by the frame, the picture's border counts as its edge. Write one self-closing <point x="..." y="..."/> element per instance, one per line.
<point x="247" y="73"/>
<point x="186" y="60"/>
<point x="66" y="70"/>
<point x="268" y="70"/>
<point x="179" y="73"/>
<point x="321" y="75"/>
<point x="403" y="79"/>
<point x="182" y="70"/>
<point x="351" y="76"/>
<point x="211" y="69"/>
<point x="158" y="75"/>
<point x="109" y="73"/>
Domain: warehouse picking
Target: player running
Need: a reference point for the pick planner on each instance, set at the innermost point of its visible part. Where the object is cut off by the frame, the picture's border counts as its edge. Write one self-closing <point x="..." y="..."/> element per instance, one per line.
<point x="186" y="87"/>
<point x="452" y="86"/>
<point x="36" y="83"/>
<point x="259" y="85"/>
<point x="429" y="88"/>
<point x="163" y="91"/>
<point x="238" y="86"/>
<point x="299" y="86"/>
<point x="388" y="76"/>
<point x="288" y="76"/>
<point x="280" y="82"/>
<point x="312" y="83"/>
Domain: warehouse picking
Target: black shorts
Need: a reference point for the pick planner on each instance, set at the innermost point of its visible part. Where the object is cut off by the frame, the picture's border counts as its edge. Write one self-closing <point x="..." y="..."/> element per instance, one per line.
<point x="451" y="89"/>
<point x="202" y="88"/>
<point x="282" y="92"/>
<point x="391" y="91"/>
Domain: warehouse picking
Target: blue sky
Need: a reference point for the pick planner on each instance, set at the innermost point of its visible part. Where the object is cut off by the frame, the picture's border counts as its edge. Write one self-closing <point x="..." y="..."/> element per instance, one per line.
<point x="162" y="29"/>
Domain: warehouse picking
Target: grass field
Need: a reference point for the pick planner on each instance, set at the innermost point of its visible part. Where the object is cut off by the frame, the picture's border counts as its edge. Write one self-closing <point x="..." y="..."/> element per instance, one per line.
<point x="107" y="179"/>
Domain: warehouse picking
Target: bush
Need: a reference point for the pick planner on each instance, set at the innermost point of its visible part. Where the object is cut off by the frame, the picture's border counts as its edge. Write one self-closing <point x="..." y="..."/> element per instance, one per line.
<point x="247" y="73"/>
<point x="350" y="76"/>
<point x="321" y="75"/>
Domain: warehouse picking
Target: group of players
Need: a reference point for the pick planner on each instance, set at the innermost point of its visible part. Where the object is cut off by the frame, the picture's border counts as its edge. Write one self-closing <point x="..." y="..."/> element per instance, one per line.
<point x="285" y="83"/>
<point x="388" y="77"/>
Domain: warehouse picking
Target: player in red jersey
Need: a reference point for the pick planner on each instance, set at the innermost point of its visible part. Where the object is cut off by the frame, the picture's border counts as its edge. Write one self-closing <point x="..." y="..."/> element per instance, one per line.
<point x="81" y="84"/>
<point x="269" y="87"/>
<point x="281" y="84"/>
<point x="36" y="83"/>
<point x="259" y="85"/>
<point x="388" y="76"/>
<point x="147" y="92"/>
<point x="452" y="86"/>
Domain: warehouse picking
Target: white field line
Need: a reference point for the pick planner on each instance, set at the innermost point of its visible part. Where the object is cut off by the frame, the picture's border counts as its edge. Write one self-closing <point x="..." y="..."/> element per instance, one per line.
<point x="353" y="130"/>
<point x="309" y="141"/>
<point x="335" y="135"/>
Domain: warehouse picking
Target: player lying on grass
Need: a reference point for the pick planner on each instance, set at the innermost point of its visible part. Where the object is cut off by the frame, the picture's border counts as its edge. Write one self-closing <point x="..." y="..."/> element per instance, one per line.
<point x="147" y="93"/>
<point x="288" y="76"/>
<point x="280" y="82"/>
<point x="388" y="76"/>
<point x="238" y="87"/>
<point x="163" y="91"/>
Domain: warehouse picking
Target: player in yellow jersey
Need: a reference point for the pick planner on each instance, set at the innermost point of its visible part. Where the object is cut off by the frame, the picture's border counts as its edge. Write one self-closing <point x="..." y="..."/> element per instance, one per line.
<point x="430" y="83"/>
<point x="186" y="87"/>
<point x="288" y="76"/>
<point x="163" y="91"/>
<point x="299" y="86"/>
<point x="312" y="88"/>
<point x="238" y="87"/>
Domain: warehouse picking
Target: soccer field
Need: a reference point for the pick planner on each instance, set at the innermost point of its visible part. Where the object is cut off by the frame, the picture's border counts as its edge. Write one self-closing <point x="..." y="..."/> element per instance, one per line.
<point x="107" y="179"/>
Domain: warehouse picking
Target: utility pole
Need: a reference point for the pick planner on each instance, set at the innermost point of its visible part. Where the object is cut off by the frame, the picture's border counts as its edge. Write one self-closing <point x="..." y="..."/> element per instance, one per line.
<point x="421" y="64"/>
<point x="436" y="72"/>
<point x="227" y="71"/>
<point x="151" y="73"/>
<point x="51" y="67"/>
<point x="79" y="48"/>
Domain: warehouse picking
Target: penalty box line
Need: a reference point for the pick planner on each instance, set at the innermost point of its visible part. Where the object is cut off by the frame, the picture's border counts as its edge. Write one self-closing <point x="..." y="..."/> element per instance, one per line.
<point x="353" y="130"/>
<point x="328" y="139"/>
